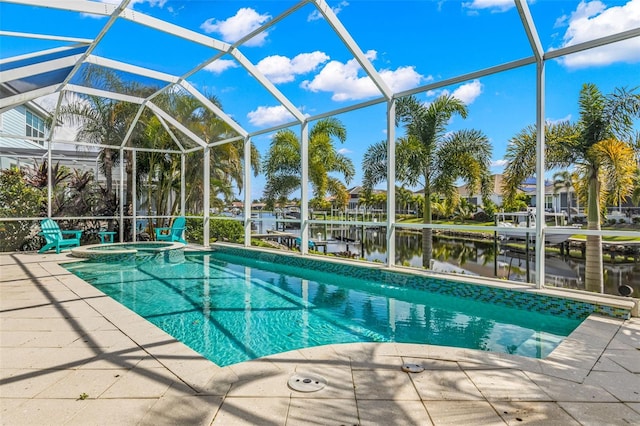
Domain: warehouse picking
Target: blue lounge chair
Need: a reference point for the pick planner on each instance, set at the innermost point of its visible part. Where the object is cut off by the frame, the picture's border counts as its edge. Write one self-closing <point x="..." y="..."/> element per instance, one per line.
<point x="55" y="238"/>
<point x="174" y="233"/>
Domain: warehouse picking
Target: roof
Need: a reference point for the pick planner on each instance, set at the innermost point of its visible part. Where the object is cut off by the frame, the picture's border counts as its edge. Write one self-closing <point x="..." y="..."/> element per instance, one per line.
<point x="496" y="187"/>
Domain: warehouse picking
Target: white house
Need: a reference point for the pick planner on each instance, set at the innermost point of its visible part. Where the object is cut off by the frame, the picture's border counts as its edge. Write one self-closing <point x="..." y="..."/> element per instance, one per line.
<point x="28" y="121"/>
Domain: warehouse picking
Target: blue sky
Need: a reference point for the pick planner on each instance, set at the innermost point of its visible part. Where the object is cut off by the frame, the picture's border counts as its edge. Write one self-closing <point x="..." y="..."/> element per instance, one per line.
<point x="410" y="43"/>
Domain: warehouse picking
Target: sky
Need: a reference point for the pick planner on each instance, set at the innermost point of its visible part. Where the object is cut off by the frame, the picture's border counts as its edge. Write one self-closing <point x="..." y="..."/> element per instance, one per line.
<point x="410" y="43"/>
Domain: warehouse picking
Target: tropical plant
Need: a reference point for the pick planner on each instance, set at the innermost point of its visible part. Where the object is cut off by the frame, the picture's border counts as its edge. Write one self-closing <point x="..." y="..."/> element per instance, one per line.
<point x="464" y="211"/>
<point x="404" y="197"/>
<point x="106" y="122"/>
<point x="227" y="160"/>
<point x="597" y="145"/>
<point x="635" y="195"/>
<point x="17" y="199"/>
<point x="430" y="157"/>
<point x="38" y="175"/>
<point x="282" y="165"/>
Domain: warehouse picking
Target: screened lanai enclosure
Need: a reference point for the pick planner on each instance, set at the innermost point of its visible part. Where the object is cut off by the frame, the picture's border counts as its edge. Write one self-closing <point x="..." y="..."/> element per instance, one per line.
<point x="330" y="129"/>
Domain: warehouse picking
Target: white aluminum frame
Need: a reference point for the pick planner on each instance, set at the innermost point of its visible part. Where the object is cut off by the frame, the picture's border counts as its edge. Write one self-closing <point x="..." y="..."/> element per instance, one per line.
<point x="219" y="49"/>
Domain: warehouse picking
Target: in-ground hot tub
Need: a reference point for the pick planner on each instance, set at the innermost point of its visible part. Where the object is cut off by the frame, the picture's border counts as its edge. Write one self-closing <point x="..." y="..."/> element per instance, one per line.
<point x="172" y="251"/>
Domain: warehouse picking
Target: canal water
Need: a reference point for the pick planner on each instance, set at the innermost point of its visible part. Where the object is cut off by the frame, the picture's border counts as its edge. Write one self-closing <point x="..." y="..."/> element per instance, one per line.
<point x="463" y="256"/>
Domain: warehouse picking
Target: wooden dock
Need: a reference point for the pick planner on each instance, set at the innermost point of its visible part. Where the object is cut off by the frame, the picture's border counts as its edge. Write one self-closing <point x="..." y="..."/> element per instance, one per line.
<point x="612" y="248"/>
<point x="289" y="239"/>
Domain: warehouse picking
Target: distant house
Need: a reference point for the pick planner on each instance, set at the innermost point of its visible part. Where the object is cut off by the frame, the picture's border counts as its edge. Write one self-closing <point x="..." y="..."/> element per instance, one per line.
<point x="23" y="131"/>
<point x="355" y="195"/>
<point x="476" y="198"/>
<point x="554" y="201"/>
<point x="25" y="121"/>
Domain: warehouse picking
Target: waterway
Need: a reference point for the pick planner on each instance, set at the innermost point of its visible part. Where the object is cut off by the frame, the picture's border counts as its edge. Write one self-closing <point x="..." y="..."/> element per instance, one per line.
<point x="464" y="256"/>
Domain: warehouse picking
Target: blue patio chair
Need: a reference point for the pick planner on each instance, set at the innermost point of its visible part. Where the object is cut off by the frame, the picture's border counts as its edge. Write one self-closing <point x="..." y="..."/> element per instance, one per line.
<point x="55" y="238"/>
<point x="312" y="245"/>
<point x="173" y="233"/>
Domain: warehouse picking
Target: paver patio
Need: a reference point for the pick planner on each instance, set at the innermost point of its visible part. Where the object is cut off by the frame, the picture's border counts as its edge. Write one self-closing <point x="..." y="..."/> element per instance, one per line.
<point x="62" y="339"/>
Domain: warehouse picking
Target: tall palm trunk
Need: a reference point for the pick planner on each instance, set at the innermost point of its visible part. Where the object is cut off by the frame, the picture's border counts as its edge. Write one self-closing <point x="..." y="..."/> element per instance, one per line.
<point x="427" y="233"/>
<point x="594" y="280"/>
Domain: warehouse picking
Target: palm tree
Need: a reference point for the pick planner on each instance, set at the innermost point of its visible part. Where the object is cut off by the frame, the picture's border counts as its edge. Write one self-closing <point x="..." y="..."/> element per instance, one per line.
<point x="564" y="181"/>
<point x="403" y="198"/>
<point x="635" y="195"/>
<point x="429" y="157"/>
<point x="597" y="145"/>
<point x="162" y="170"/>
<point x="106" y="122"/>
<point x="283" y="163"/>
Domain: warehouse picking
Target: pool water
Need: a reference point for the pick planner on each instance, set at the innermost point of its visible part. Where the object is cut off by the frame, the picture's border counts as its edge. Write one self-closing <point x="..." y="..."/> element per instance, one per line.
<point x="232" y="309"/>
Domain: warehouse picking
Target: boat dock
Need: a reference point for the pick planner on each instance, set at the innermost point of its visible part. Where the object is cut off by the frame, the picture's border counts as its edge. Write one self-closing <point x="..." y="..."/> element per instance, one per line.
<point x="612" y="248"/>
<point x="290" y="240"/>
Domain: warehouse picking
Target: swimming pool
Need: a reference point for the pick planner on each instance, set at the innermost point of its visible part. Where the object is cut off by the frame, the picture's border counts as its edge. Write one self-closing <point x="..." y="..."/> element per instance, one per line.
<point x="232" y="309"/>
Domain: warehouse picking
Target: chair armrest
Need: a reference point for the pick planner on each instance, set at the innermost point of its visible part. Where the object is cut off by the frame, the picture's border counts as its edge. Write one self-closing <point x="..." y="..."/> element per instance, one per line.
<point x="76" y="234"/>
<point x="159" y="231"/>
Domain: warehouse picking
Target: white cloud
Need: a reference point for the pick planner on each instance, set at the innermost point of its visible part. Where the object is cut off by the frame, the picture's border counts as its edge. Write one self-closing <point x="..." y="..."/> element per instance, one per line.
<point x="238" y="26"/>
<point x="592" y="20"/>
<point x="467" y="92"/>
<point x="493" y="5"/>
<point x="346" y="83"/>
<point x="559" y="120"/>
<point x="269" y="116"/>
<point x="152" y="3"/>
<point x="344" y="151"/>
<point x="315" y="15"/>
<point x="221" y="65"/>
<point x="280" y="69"/>
<point x="499" y="163"/>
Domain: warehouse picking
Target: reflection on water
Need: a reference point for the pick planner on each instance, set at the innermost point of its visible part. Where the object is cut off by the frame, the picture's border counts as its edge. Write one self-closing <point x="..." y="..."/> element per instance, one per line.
<point x="469" y="257"/>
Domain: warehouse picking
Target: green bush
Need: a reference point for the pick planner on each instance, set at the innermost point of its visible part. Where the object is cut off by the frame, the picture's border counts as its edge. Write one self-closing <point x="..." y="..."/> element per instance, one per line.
<point x="194" y="231"/>
<point x="226" y="230"/>
<point x="17" y="199"/>
<point x="219" y="230"/>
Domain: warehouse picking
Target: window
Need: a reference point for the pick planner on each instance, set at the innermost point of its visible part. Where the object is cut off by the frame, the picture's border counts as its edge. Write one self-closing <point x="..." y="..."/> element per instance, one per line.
<point x="35" y="127"/>
<point x="548" y="202"/>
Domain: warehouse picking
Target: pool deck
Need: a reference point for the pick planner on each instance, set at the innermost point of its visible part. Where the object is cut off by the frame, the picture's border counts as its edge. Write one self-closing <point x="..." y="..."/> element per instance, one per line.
<point x="61" y="339"/>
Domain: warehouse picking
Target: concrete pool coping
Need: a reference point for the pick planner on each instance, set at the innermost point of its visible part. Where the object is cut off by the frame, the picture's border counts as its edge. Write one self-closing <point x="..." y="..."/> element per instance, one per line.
<point x="61" y="338"/>
<point x="113" y="249"/>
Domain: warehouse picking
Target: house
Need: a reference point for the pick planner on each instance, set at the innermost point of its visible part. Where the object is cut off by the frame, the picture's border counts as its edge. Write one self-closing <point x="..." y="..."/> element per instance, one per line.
<point x="28" y="121"/>
<point x="355" y="198"/>
<point x="474" y="197"/>
<point x="23" y="131"/>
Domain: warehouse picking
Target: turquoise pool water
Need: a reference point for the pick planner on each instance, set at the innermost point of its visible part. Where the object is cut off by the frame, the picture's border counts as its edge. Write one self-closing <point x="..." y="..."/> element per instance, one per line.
<point x="232" y="309"/>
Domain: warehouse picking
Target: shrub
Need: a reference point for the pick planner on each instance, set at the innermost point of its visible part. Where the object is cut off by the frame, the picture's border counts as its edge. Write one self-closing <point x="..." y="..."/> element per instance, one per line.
<point x="219" y="230"/>
<point x="227" y="230"/>
<point x="17" y="199"/>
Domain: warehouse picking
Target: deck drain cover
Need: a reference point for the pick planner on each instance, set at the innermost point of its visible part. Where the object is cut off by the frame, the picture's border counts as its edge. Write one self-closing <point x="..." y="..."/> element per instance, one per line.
<point x="412" y="368"/>
<point x="307" y="382"/>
